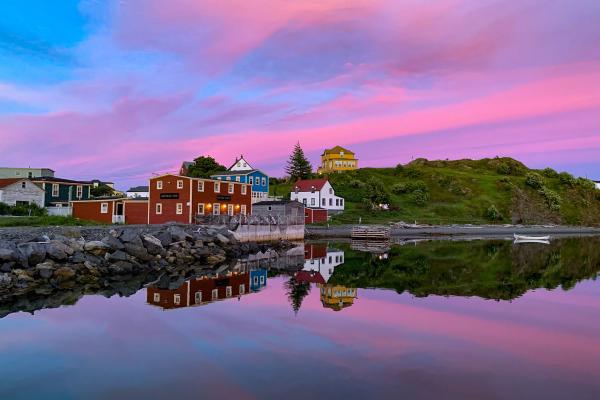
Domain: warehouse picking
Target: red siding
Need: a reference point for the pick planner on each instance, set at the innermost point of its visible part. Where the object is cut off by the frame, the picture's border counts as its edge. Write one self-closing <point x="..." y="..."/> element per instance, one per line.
<point x="90" y="211"/>
<point x="312" y="251"/>
<point x="314" y="215"/>
<point x="136" y="212"/>
<point x="169" y="206"/>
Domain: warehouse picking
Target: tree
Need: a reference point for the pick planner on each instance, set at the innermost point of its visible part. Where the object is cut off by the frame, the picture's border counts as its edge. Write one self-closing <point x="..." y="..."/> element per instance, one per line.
<point x="101" y="191"/>
<point x="298" y="166"/>
<point x="296" y="292"/>
<point x="204" y="167"/>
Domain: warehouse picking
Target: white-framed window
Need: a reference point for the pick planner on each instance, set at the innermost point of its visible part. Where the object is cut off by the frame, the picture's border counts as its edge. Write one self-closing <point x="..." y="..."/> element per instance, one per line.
<point x="244" y="189"/>
<point x="228" y="178"/>
<point x="242" y="288"/>
<point x="251" y="180"/>
<point x="262" y="280"/>
<point x="231" y="188"/>
<point x="215" y="294"/>
<point x="201" y="208"/>
<point x="324" y="202"/>
<point x="179" y="209"/>
<point x="304" y="201"/>
<point x="341" y="202"/>
<point x="177" y="299"/>
<point x="216" y="209"/>
<point x="198" y="297"/>
<point x="330" y="190"/>
<point x="179" y="184"/>
<point x="264" y="181"/>
<point x="103" y="208"/>
<point x="229" y="209"/>
<point x="312" y="201"/>
<point x="23" y="185"/>
<point x="238" y="178"/>
<point x="79" y="192"/>
<point x="156" y="297"/>
<point x="217" y="187"/>
<point x="159" y="208"/>
<point x="55" y="188"/>
<point x="243" y="209"/>
<point x="331" y="202"/>
<point x="228" y="291"/>
<point x="201" y="186"/>
<point x="159" y="185"/>
<point x="256" y="280"/>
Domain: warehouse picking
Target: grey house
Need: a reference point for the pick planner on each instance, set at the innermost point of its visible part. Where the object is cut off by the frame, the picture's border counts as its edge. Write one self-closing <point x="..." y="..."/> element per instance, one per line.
<point x="24" y="173"/>
<point x="289" y="209"/>
<point x="20" y="192"/>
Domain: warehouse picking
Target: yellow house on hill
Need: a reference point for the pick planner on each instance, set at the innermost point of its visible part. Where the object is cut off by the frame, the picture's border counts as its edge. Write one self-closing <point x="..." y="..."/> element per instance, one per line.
<point x="337" y="159"/>
<point x="337" y="297"/>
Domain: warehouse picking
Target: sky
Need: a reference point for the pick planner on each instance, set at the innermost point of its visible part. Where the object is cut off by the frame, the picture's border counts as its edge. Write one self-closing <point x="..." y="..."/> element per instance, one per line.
<point x="120" y="90"/>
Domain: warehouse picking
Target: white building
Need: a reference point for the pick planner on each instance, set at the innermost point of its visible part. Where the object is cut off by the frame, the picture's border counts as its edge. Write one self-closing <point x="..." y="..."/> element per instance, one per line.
<point x="317" y="193"/>
<point x="20" y="192"/>
<point x="138" y="192"/>
<point x="240" y="165"/>
<point x="324" y="264"/>
<point x="597" y="184"/>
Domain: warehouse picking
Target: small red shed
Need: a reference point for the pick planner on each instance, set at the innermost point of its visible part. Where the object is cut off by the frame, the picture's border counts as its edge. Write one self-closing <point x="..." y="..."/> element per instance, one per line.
<point x="315" y="215"/>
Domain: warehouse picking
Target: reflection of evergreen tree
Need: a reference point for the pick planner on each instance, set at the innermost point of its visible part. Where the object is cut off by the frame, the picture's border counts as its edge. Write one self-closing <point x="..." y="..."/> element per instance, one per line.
<point x="296" y="292"/>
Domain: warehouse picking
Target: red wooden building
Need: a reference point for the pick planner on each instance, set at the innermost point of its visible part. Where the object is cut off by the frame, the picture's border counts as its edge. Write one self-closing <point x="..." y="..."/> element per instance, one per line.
<point x="315" y="215"/>
<point x="112" y="210"/>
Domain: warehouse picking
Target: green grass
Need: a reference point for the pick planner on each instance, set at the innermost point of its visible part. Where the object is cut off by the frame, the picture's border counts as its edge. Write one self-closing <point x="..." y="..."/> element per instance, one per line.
<point x="6" y="222"/>
<point x="461" y="191"/>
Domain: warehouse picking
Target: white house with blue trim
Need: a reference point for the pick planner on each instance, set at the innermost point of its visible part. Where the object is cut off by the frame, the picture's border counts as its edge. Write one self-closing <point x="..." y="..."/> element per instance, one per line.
<point x="241" y="171"/>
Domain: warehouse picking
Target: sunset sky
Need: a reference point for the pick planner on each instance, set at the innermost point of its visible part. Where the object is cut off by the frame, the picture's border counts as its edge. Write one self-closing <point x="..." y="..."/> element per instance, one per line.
<point x="119" y="90"/>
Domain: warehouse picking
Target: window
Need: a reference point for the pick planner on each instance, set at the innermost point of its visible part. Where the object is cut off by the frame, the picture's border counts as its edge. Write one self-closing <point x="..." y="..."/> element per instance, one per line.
<point x="341" y="202"/>
<point x="242" y="288"/>
<point x="30" y="174"/>
<point x="217" y="187"/>
<point x="237" y="179"/>
<point x="330" y="190"/>
<point x="251" y="180"/>
<point x="198" y="297"/>
<point x="179" y="184"/>
<point x="179" y="209"/>
<point x="55" y="190"/>
<point x="264" y="181"/>
<point x="256" y="280"/>
<point x="324" y="202"/>
<point x="79" y="192"/>
<point x="244" y="189"/>
<point x="201" y="186"/>
<point x="228" y="291"/>
<point x="229" y="209"/>
<point x="156" y="297"/>
<point x="177" y="299"/>
<point x="200" y="208"/>
<point x="262" y="280"/>
<point x="103" y="208"/>
<point x="159" y="208"/>
<point x="296" y="189"/>
<point x="243" y="209"/>
<point x="23" y="185"/>
<point x="231" y="188"/>
<point x="159" y="185"/>
<point x="228" y="178"/>
<point x="331" y="202"/>
<point x="215" y="294"/>
<point x="216" y="209"/>
<point x="312" y="202"/>
<point x="304" y="201"/>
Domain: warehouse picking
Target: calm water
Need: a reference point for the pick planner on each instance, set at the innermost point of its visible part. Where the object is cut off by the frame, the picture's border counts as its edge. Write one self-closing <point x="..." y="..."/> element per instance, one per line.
<point x="484" y="319"/>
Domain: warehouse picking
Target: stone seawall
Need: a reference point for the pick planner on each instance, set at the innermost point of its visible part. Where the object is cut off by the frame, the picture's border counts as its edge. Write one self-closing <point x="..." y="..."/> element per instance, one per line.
<point x="66" y="257"/>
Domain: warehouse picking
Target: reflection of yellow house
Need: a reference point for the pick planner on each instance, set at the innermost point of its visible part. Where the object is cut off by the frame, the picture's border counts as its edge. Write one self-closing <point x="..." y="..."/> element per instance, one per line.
<point x="337" y="297"/>
<point x="336" y="160"/>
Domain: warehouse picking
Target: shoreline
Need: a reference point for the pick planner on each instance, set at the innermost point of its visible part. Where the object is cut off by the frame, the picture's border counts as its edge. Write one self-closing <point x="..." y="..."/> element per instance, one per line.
<point x="345" y="231"/>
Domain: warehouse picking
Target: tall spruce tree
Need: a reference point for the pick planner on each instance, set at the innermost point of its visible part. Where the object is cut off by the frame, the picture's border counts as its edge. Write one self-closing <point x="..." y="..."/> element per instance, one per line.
<point x="298" y="166"/>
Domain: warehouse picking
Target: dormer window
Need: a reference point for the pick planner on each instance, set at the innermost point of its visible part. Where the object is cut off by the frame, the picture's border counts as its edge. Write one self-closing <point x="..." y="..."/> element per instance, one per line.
<point x="341" y="154"/>
<point x="312" y="189"/>
<point x="296" y="189"/>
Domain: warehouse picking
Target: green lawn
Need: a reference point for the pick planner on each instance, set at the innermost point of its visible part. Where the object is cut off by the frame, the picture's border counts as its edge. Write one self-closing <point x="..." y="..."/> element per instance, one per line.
<point x="7" y="221"/>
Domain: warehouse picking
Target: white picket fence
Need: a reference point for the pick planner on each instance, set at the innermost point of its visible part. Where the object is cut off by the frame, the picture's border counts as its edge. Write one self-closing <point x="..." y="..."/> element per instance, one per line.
<point x="60" y="211"/>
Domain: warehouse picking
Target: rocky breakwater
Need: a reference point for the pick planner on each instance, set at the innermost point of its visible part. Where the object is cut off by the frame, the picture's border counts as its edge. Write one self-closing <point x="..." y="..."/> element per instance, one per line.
<point x="66" y="259"/>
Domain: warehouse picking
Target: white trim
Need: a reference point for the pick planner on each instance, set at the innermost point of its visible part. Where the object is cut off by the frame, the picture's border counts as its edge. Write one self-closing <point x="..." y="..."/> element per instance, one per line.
<point x="158" y="208"/>
<point x="103" y="208"/>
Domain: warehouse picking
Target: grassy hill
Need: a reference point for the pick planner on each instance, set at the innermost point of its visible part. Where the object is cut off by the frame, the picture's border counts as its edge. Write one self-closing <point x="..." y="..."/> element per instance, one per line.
<point x="498" y="190"/>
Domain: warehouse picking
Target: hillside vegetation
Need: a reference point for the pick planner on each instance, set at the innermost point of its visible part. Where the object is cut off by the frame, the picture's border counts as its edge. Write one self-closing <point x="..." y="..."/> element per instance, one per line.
<point x="498" y="190"/>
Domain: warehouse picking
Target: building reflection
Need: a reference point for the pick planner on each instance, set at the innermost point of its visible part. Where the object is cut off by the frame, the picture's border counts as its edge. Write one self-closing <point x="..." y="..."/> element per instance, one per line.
<point x="319" y="265"/>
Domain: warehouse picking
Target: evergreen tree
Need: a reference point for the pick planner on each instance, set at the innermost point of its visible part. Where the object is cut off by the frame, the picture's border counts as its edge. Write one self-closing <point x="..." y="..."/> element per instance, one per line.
<point x="204" y="167"/>
<point x="296" y="292"/>
<point x="298" y="166"/>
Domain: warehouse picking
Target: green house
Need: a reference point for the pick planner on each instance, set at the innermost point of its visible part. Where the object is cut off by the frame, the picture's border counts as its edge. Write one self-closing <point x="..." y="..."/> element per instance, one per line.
<point x="60" y="192"/>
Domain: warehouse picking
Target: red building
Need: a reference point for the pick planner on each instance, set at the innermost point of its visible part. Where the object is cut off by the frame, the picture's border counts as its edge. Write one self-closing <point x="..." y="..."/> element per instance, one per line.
<point x="176" y="198"/>
<point x="111" y="211"/>
<point x="200" y="291"/>
<point x="315" y="215"/>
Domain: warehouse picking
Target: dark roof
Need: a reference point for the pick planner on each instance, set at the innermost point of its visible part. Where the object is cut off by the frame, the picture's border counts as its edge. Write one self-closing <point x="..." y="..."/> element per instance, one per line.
<point x="308" y="184"/>
<point x="139" y="189"/>
<point x="236" y="172"/>
<point x="58" y="180"/>
<point x="275" y="202"/>
<point x="336" y="150"/>
<point x="187" y="164"/>
<point x="310" y="277"/>
<point x="10" y="181"/>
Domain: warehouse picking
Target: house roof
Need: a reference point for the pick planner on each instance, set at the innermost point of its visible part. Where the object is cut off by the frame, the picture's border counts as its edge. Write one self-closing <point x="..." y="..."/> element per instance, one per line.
<point x="308" y="184"/>
<point x="336" y="150"/>
<point x="139" y="189"/>
<point x="276" y="202"/>
<point x="58" y="180"/>
<point x="238" y="160"/>
<point x="10" y="181"/>
<point x="234" y="173"/>
<point x="187" y="164"/>
<point x="310" y="276"/>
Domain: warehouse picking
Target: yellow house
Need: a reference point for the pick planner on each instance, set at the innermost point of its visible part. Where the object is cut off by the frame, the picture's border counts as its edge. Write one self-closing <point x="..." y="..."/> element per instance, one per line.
<point x="337" y="297"/>
<point x="337" y="159"/>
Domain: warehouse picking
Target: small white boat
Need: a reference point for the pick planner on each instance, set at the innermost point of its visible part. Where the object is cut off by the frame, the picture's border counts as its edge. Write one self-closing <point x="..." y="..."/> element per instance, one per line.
<point x="531" y="239"/>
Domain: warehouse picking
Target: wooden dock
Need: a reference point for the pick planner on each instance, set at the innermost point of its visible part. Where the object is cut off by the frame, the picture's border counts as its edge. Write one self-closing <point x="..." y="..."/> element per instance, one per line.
<point x="371" y="232"/>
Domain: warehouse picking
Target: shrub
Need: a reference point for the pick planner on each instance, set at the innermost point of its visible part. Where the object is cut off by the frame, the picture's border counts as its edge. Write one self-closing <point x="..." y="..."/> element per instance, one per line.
<point x="534" y="180"/>
<point x="411" y="172"/>
<point x="356" y="184"/>
<point x="22" y="210"/>
<point x="585" y="184"/>
<point x="399" y="168"/>
<point x="504" y="169"/>
<point x="493" y="214"/>
<point x="552" y="198"/>
<point x="376" y="193"/>
<point x="410" y="187"/>
<point x="419" y="197"/>
<point x="550" y="173"/>
<point x="400" y="188"/>
<point x="566" y="179"/>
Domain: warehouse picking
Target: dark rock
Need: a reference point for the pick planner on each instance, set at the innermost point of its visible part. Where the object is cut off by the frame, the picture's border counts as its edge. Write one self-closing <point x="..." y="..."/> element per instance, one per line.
<point x="130" y="236"/>
<point x="96" y="247"/>
<point x="138" y="252"/>
<point x="46" y="269"/>
<point x="58" y="251"/>
<point x="7" y="266"/>
<point x="165" y="238"/>
<point x="121" y="267"/>
<point x="152" y="244"/>
<point x="7" y="254"/>
<point x="33" y="253"/>
<point x="64" y="274"/>
<point x="5" y="280"/>
<point x="215" y="259"/>
<point x="222" y="239"/>
<point x="118" y="255"/>
<point x="113" y="242"/>
<point x="178" y="234"/>
<point x="78" y="257"/>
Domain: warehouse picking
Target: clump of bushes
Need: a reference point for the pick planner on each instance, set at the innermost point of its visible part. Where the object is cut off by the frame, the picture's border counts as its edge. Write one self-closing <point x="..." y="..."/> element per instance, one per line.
<point x="409" y="187"/>
<point x="376" y="193"/>
<point x="411" y="172"/>
<point x="493" y="214"/>
<point x="550" y="173"/>
<point x="566" y="179"/>
<point x="22" y="210"/>
<point x="585" y="184"/>
<point x="552" y="198"/>
<point x="419" y="197"/>
<point x="504" y="183"/>
<point x="356" y="184"/>
<point x="534" y="180"/>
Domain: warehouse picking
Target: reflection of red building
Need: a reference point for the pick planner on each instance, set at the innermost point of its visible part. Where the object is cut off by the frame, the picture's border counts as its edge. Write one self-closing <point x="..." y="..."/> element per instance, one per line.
<point x="200" y="291"/>
<point x="312" y="251"/>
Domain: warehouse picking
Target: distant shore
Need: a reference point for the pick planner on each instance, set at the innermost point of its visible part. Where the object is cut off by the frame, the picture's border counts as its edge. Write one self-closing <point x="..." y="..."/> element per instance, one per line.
<point x="345" y="231"/>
